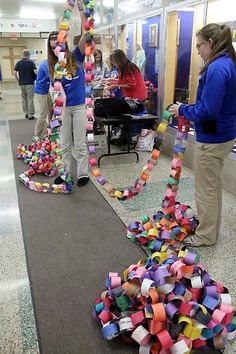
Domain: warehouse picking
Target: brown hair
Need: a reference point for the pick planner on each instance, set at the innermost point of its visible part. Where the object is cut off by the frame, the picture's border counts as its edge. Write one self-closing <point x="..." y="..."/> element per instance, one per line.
<point x="71" y="63"/>
<point x="124" y="65"/>
<point x="221" y="37"/>
<point x="96" y="52"/>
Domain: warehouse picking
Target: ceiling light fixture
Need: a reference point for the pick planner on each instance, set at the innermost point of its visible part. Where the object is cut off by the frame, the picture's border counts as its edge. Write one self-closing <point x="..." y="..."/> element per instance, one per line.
<point x="37" y="13"/>
<point x="51" y="1"/>
<point x="128" y="7"/>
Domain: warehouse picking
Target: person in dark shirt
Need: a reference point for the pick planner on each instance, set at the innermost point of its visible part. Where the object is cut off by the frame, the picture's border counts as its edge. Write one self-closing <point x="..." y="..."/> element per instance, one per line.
<point x="25" y="73"/>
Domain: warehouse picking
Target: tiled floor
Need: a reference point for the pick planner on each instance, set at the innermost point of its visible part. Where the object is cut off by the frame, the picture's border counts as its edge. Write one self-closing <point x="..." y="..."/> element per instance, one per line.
<point x="17" y="331"/>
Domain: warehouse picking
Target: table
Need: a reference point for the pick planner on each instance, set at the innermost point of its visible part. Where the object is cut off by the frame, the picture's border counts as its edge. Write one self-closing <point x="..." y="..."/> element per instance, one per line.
<point x="127" y="120"/>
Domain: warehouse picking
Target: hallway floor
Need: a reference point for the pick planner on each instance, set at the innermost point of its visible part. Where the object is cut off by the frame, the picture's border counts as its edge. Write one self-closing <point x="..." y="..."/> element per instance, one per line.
<point x="18" y="332"/>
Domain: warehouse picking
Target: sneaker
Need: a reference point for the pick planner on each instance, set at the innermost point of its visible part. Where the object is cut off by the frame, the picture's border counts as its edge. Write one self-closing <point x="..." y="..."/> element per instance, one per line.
<point x="194" y="241"/>
<point x="31" y="117"/>
<point x="82" y="181"/>
<point x="59" y="180"/>
<point x="26" y="116"/>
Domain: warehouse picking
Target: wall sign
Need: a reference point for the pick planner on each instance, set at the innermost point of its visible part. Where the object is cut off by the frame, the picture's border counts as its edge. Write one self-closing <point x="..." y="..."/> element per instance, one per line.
<point x="13" y="25"/>
<point x="127" y="8"/>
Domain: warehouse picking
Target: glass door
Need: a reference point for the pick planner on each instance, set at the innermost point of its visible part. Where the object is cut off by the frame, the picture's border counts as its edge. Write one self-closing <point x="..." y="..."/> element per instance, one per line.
<point x="182" y="60"/>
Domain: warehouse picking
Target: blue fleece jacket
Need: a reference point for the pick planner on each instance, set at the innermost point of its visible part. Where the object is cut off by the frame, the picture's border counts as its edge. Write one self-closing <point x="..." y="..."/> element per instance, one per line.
<point x="42" y="83"/>
<point x="214" y="113"/>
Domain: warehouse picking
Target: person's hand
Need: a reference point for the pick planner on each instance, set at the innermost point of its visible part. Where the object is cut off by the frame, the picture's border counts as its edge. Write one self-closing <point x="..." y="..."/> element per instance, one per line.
<point x="174" y="109"/>
<point x="112" y="86"/>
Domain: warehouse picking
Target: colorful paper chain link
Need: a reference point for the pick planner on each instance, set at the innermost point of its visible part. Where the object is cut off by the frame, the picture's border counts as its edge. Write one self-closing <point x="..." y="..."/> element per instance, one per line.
<point x="146" y="171"/>
<point x="176" y="220"/>
<point x="45" y="156"/>
<point x="167" y="303"/>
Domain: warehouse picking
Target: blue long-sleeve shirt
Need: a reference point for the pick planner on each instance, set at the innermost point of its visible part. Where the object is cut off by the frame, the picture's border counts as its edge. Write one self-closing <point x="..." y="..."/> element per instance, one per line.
<point x="42" y="83"/>
<point x="214" y="113"/>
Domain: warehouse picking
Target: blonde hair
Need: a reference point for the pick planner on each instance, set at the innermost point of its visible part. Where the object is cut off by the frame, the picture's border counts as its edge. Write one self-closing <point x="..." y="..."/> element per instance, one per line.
<point x="25" y="53"/>
<point x="221" y="37"/>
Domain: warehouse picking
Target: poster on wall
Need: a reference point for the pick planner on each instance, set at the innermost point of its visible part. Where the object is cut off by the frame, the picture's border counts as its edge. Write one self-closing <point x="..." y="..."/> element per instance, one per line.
<point x="126" y="8"/>
<point x="153" y="33"/>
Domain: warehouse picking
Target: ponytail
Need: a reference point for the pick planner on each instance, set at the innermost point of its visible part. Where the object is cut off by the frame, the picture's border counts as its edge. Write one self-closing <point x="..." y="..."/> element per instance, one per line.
<point x="221" y="37"/>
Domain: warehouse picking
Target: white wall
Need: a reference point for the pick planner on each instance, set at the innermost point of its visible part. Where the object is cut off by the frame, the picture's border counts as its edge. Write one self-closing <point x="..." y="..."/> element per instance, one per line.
<point x="36" y="44"/>
<point x="219" y="11"/>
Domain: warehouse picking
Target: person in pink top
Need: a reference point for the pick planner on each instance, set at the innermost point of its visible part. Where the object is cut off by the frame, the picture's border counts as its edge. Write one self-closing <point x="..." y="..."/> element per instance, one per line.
<point x="131" y="83"/>
<point x="130" y="79"/>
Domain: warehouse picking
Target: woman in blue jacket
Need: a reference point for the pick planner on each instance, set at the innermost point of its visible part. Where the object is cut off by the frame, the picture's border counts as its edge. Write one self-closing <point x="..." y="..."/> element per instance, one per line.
<point x="214" y="117"/>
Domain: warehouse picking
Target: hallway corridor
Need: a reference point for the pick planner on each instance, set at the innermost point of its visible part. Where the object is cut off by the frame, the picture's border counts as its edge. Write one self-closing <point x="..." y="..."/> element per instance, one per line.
<point x="18" y="334"/>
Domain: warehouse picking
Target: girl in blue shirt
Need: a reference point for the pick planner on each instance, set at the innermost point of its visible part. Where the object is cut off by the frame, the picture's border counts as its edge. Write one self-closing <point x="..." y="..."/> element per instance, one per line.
<point x="74" y="120"/>
<point x="214" y="117"/>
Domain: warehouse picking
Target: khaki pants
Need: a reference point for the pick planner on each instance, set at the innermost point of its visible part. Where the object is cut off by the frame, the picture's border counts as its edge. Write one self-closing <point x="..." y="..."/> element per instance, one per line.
<point x="75" y="121"/>
<point x="45" y="106"/>
<point x="27" y="94"/>
<point x="207" y="167"/>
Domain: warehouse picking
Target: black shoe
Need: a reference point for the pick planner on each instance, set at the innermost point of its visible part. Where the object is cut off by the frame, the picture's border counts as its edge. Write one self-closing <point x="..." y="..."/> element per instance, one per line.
<point x="31" y="118"/>
<point x="27" y="116"/>
<point x="82" y="181"/>
<point x="59" y="180"/>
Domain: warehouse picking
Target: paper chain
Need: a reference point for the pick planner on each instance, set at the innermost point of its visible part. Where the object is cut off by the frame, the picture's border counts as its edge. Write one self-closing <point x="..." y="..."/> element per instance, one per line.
<point x="45" y="156"/>
<point x="167" y="303"/>
<point x="37" y="164"/>
<point x="176" y="220"/>
<point x="146" y="171"/>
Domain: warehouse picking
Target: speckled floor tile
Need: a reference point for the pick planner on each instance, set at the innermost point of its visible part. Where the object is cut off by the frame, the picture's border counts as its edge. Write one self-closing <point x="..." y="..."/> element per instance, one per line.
<point x="13" y="264"/>
<point x="17" y="334"/>
<point x="126" y="174"/>
<point x="17" y="323"/>
<point x="29" y="335"/>
<point x="10" y="331"/>
<point x="154" y="192"/>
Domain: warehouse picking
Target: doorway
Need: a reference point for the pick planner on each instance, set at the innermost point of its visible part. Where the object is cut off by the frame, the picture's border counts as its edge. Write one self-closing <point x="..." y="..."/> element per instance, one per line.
<point x="182" y="59"/>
